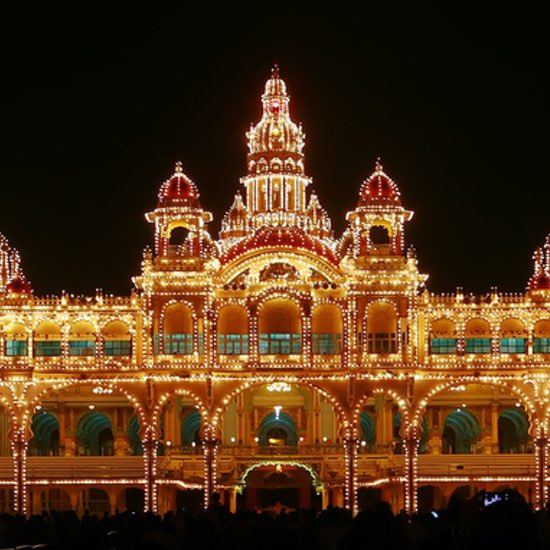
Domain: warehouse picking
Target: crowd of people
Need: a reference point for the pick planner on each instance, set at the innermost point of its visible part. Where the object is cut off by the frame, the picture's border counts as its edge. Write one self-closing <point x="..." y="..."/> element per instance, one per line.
<point x="478" y="523"/>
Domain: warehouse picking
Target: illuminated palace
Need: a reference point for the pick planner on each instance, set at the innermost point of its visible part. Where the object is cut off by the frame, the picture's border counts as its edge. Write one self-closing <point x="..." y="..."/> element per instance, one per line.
<point x="273" y="364"/>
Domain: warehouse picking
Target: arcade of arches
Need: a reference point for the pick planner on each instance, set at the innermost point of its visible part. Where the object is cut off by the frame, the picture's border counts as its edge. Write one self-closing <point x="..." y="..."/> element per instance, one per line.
<point x="276" y="363"/>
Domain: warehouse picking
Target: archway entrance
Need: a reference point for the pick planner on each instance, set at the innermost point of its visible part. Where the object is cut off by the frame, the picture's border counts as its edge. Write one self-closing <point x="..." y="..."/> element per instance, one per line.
<point x="277" y="487"/>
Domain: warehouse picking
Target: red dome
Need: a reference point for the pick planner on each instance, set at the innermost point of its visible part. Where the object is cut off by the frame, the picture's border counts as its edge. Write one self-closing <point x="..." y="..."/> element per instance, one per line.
<point x="19" y="286"/>
<point x="179" y="190"/>
<point x="268" y="237"/>
<point x="379" y="189"/>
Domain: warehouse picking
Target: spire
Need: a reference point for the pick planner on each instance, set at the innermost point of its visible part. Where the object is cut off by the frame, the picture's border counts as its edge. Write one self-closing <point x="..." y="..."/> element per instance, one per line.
<point x="276" y="132"/>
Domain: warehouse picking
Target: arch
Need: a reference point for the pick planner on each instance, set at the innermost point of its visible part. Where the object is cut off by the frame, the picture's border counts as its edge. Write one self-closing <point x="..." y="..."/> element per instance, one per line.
<point x="134" y="439"/>
<point x="513" y="336"/>
<point x="177" y="327"/>
<point x="430" y="497"/>
<point x="233" y="330"/>
<point x="315" y="481"/>
<point x="190" y="428"/>
<point x="478" y="336"/>
<point x="82" y="339"/>
<point x="280" y="327"/>
<point x="443" y="337"/>
<point x="177" y="236"/>
<point x="55" y="499"/>
<point x="45" y="429"/>
<point x="270" y="379"/>
<point x="513" y="429"/>
<point x="117" y="338"/>
<point x="461" y="428"/>
<point x="381" y="324"/>
<point x="380" y="236"/>
<point x="541" y="333"/>
<point x="47" y="339"/>
<point x="368" y="428"/>
<point x="327" y="329"/>
<point x="281" y="424"/>
<point x="16" y="340"/>
<point x="95" y="434"/>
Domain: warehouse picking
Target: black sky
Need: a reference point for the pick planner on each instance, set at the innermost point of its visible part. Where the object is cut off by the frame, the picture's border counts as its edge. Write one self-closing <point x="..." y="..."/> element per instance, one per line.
<point x="99" y="102"/>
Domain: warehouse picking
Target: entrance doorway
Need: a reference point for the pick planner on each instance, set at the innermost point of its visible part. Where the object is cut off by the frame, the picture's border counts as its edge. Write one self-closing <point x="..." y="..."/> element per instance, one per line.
<point x="279" y="487"/>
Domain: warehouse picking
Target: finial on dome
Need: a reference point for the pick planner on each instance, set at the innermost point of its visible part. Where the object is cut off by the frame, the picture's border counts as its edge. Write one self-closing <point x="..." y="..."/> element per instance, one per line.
<point x="378" y="166"/>
<point x="179" y="167"/>
<point x="275" y="71"/>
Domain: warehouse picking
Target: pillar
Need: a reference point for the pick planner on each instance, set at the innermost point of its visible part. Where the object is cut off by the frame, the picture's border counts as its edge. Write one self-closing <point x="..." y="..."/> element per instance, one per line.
<point x="541" y="460"/>
<point x="150" y="447"/>
<point x="210" y="445"/>
<point x="410" y="447"/>
<point x="19" y="444"/>
<point x="351" y="445"/>
<point x="494" y="428"/>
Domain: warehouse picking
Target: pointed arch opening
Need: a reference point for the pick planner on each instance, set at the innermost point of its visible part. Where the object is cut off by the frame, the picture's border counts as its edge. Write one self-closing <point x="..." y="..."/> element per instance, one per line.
<point x="461" y="429"/>
<point x="45" y="440"/>
<point x="16" y="340"/>
<point x="47" y="339"/>
<point x="117" y="339"/>
<point x="82" y="339"/>
<point x="94" y="433"/>
<point x="327" y="329"/>
<point x="478" y="336"/>
<point x="443" y="337"/>
<point x="513" y="336"/>
<point x="280" y="327"/>
<point x="541" y="332"/>
<point x="382" y="335"/>
<point x="178" y="330"/>
<point x="233" y="330"/>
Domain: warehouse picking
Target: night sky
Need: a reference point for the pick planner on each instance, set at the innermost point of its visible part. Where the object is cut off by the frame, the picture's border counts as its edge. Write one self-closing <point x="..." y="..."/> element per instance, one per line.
<point x="98" y="103"/>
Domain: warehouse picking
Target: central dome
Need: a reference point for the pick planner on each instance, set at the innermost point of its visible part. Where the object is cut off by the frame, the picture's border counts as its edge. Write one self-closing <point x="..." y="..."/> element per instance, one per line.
<point x="292" y="237"/>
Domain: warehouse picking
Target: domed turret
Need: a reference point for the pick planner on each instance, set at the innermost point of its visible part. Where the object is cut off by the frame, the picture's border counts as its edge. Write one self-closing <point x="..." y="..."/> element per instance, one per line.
<point x="180" y="222"/>
<point x="377" y="224"/>
<point x="275" y="133"/>
<point x="179" y="190"/>
<point x="379" y="189"/>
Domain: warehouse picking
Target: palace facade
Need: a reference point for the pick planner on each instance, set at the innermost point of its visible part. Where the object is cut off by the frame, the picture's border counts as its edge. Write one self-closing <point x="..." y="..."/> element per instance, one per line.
<point x="273" y="364"/>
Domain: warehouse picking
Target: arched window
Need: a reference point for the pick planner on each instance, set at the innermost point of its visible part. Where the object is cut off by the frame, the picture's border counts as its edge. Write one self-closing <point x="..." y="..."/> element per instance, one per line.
<point x="326" y="324"/>
<point x="461" y="430"/>
<point x="95" y="435"/>
<point x="513" y="427"/>
<point x="280" y="327"/>
<point x="178" y="330"/>
<point x="191" y="428"/>
<point x="513" y="336"/>
<point x="379" y="237"/>
<point x="233" y="331"/>
<point x="82" y="339"/>
<point x="278" y="429"/>
<point x="117" y="339"/>
<point x="443" y="337"/>
<point x="47" y="339"/>
<point x="381" y="328"/>
<point x="45" y="429"/>
<point x="542" y="336"/>
<point x="133" y="436"/>
<point x="16" y="340"/>
<point x="478" y="336"/>
<point x="368" y="430"/>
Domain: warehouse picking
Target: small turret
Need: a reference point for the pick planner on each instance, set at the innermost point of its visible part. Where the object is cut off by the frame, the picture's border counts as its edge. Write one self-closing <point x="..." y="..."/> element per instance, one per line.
<point x="180" y="222"/>
<point x="377" y="223"/>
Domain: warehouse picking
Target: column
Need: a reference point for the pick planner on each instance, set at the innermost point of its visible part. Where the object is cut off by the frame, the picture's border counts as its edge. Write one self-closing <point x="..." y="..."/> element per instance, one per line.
<point x="351" y="444"/>
<point x="210" y="445"/>
<point x="150" y="447"/>
<point x="410" y="448"/>
<point x="20" y="502"/>
<point x="495" y="448"/>
<point x="541" y="461"/>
